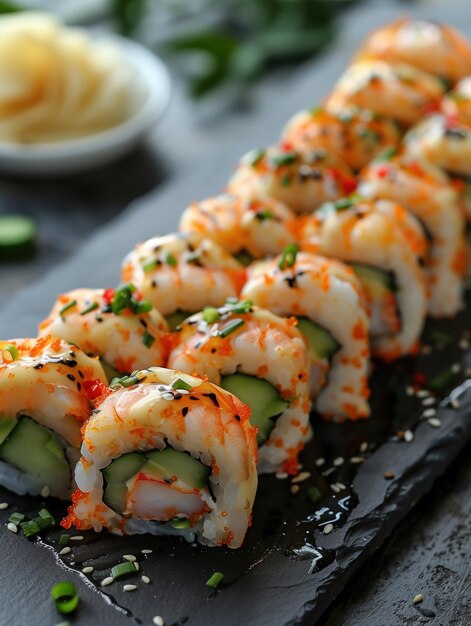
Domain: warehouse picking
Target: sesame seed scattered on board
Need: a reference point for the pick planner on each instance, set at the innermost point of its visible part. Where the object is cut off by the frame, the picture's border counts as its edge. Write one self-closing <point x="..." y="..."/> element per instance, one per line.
<point x="410" y="391"/>
<point x="455" y="368"/>
<point x="408" y="436"/>
<point x="435" y="422"/>
<point x="45" y="491"/>
<point x="364" y="446"/>
<point x="12" y="527"/>
<point x="65" y="550"/>
<point x="300" y="477"/>
<point x="464" y="344"/>
<point x="341" y="486"/>
<point x="107" y="581"/>
<point x="146" y="551"/>
<point x="145" y="580"/>
<point x="335" y="488"/>
<point x="423" y="393"/>
<point x="137" y="566"/>
<point x="428" y="401"/>
<point x="281" y="475"/>
<point x="389" y="475"/>
<point x="418" y="598"/>
<point x="129" y="587"/>
<point x="320" y="462"/>
<point x="76" y="538"/>
<point x="429" y="413"/>
<point x="294" y="488"/>
<point x="357" y="459"/>
<point x="338" y="461"/>
<point x="129" y="557"/>
<point x="455" y="403"/>
<point x="328" y="528"/>
<point x="3" y="506"/>
<point x="158" y="621"/>
<point x="87" y="570"/>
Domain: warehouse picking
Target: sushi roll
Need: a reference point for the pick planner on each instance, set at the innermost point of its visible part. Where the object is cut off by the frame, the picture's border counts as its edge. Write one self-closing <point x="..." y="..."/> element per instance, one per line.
<point x="168" y="454"/>
<point x="385" y="245"/>
<point x="115" y="324"/>
<point x="327" y="301"/>
<point x="248" y="228"/>
<point x="426" y="192"/>
<point x="355" y="135"/>
<point x="182" y="273"/>
<point x="399" y="91"/>
<point x="302" y="180"/>
<point x="456" y="104"/>
<point x="435" y="48"/>
<point x="46" y="390"/>
<point x="261" y="358"/>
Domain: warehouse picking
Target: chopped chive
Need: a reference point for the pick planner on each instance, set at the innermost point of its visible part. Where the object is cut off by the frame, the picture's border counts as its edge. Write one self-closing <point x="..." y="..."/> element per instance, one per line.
<point x="89" y="308"/>
<point x="68" y="306"/>
<point x="31" y="528"/>
<point x="284" y="158"/>
<point x="342" y="204"/>
<point x="210" y="314"/>
<point x="64" y="540"/>
<point x="143" y="306"/>
<point x="230" y="327"/>
<point x="214" y="580"/>
<point x="122" y="298"/>
<point x="65" y="597"/>
<point x="125" y="381"/>
<point x="12" y="350"/>
<point x="288" y="258"/>
<point x="123" y="569"/>
<point x="264" y="214"/>
<point x="443" y="380"/>
<point x="148" y="339"/>
<point x="180" y="522"/>
<point x="179" y="383"/>
<point x="238" y="306"/>
<point x="45" y="515"/>
<point x="171" y="260"/>
<point x="386" y="155"/>
<point x="440" y="338"/>
<point x="313" y="494"/>
<point x="254" y="157"/>
<point x="151" y="265"/>
<point x="16" y="518"/>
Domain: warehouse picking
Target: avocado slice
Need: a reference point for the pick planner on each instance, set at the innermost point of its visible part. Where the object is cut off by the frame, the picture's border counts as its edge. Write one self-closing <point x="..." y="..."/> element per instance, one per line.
<point x="35" y="450"/>
<point x="7" y="424"/>
<point x="265" y="402"/>
<point x="175" y="319"/>
<point x="376" y="281"/>
<point x="169" y="462"/>
<point x="320" y="341"/>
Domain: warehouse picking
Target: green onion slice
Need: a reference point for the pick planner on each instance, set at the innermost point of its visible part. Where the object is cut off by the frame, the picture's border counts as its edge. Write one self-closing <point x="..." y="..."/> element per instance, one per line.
<point x="210" y="314"/>
<point x="12" y="350"/>
<point x="123" y="569"/>
<point x="443" y="380"/>
<point x="65" y="597"/>
<point x="171" y="260"/>
<point x="67" y="307"/>
<point x="284" y="158"/>
<point x="230" y="327"/>
<point x="180" y="522"/>
<point x="214" y="580"/>
<point x="64" y="540"/>
<point x="148" y="339"/>
<point x="313" y="494"/>
<point x="288" y="258"/>
<point x="89" y="308"/>
<point x="181" y="384"/>
<point x="16" y="518"/>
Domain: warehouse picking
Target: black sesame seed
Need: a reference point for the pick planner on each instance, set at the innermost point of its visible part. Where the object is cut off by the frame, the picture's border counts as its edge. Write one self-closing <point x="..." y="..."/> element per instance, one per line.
<point x="70" y="362"/>
<point x="212" y="397"/>
<point x="39" y="366"/>
<point x="185" y="411"/>
<point x="70" y="376"/>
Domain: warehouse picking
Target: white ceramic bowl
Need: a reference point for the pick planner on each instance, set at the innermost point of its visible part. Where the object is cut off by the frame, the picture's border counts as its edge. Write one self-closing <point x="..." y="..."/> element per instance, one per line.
<point x="85" y="153"/>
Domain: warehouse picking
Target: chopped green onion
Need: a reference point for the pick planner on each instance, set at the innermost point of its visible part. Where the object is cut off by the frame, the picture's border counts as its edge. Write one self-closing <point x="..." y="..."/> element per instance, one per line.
<point x="31" y="528"/>
<point x="214" y="580"/>
<point x="142" y="306"/>
<point x="232" y="300"/>
<point x="171" y="260"/>
<point x="181" y="522"/>
<point x="288" y="258"/>
<point x="385" y="155"/>
<point x="122" y="298"/>
<point x="123" y="569"/>
<point x="238" y="306"/>
<point x="442" y="381"/>
<point x="16" y="518"/>
<point x="64" y="540"/>
<point x="45" y="515"/>
<point x="284" y="158"/>
<point x="254" y="157"/>
<point x="125" y="381"/>
<point x="313" y="494"/>
<point x="230" y="327"/>
<point x="210" y="314"/>
<point x="148" y="339"/>
<point x="151" y="265"/>
<point x="244" y="258"/>
<point x="441" y="339"/>
<point x="264" y="214"/>
<point x="12" y="350"/>
<point x="67" y="307"/>
<point x="65" y="597"/>
<point x="342" y="204"/>
<point x="181" y="384"/>
<point x="89" y="308"/>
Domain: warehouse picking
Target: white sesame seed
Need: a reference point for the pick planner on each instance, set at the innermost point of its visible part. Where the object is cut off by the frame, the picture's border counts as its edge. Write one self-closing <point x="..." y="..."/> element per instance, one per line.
<point x="295" y="488"/>
<point x="341" y="486"/>
<point x="158" y="621"/>
<point x="320" y="462"/>
<point x="301" y="477"/>
<point x="429" y="413"/>
<point x="136" y="565"/>
<point x="45" y="491"/>
<point x="364" y="446"/>
<point x="335" y="488"/>
<point x="145" y="580"/>
<point x="12" y="527"/>
<point x="65" y="550"/>
<point x="428" y="401"/>
<point x="410" y="391"/>
<point x="129" y="557"/>
<point x="3" y="506"/>
<point x="146" y="551"/>
<point x="435" y="422"/>
<point x="184" y="392"/>
<point x="408" y="436"/>
<point x="129" y="587"/>
<point x="87" y="570"/>
<point x="418" y="598"/>
<point x="328" y="528"/>
<point x="338" y="461"/>
<point x="422" y="393"/>
<point x="107" y="581"/>
<point x="455" y="403"/>
<point x="455" y="368"/>
<point x="357" y="459"/>
<point x="167" y="396"/>
<point x="281" y="475"/>
<point x="464" y="344"/>
<point x="76" y="538"/>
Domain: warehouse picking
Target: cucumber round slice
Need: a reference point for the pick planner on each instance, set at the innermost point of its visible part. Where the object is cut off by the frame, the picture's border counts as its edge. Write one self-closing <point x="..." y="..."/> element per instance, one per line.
<point x="17" y="237"/>
<point x="320" y="341"/>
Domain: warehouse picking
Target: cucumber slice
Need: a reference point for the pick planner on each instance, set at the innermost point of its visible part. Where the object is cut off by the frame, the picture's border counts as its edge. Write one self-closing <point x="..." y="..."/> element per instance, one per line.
<point x="265" y="402"/>
<point x="17" y="237"/>
<point x="7" y="424"/>
<point x="320" y="341"/>
<point x="375" y="280"/>
<point x="35" y="450"/>
<point x="115" y="496"/>
<point x="116" y="474"/>
<point x="175" y="319"/>
<point x="169" y="462"/>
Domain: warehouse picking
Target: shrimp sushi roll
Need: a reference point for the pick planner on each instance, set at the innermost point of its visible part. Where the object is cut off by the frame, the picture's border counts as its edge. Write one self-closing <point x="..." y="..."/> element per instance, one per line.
<point x="355" y="135"/>
<point x="248" y="228"/>
<point x="384" y="244"/>
<point x="426" y="192"/>
<point x="435" y="48"/>
<point x="399" y="91"/>
<point x="46" y="387"/>
<point x="182" y="273"/>
<point x="168" y="454"/>
<point x="114" y="324"/>
<point x="302" y="180"/>
<point x="327" y="301"/>
<point x="261" y="358"/>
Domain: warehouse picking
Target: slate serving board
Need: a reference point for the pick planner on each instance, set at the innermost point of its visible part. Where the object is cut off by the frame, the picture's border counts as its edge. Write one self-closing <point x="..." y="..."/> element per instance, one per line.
<point x="288" y="571"/>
